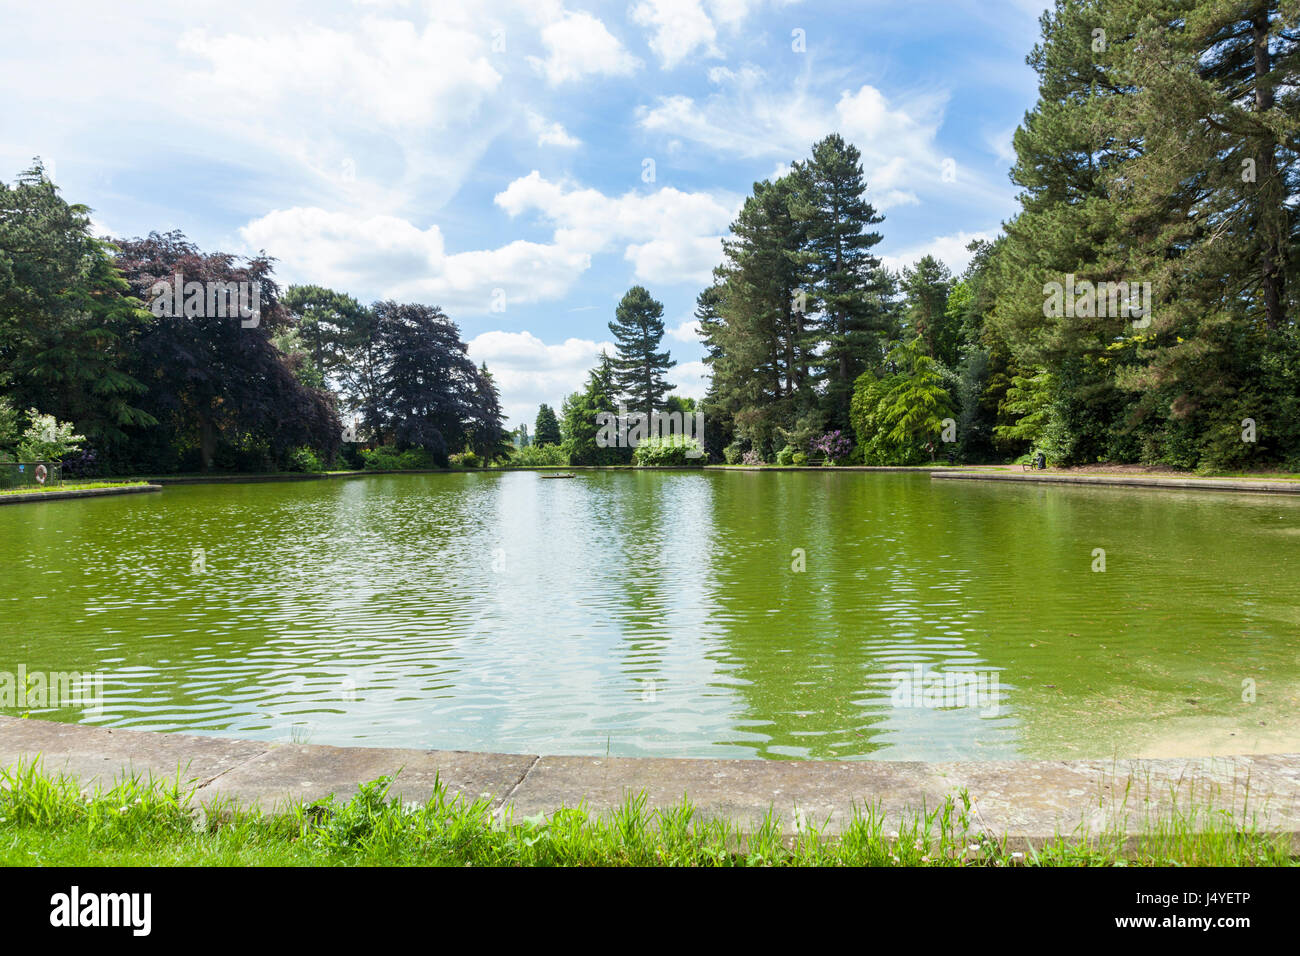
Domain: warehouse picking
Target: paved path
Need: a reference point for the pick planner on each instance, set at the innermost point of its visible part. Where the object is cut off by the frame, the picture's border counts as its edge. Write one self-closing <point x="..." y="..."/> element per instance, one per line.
<point x="1255" y="485"/>
<point x="1027" y="801"/>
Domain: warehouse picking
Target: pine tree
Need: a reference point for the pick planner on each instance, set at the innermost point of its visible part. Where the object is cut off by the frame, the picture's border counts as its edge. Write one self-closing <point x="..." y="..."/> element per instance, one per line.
<point x="926" y="287"/>
<point x="1216" y="195"/>
<point x="1067" y="226"/>
<point x="1163" y="150"/>
<point x="546" y="429"/>
<point x="846" y="278"/>
<point x="639" y="366"/>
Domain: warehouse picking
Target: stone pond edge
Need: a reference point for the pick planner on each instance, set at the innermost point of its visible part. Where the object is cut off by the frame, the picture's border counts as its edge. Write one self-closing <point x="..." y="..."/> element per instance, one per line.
<point x="77" y="493"/>
<point x="1027" y="802"/>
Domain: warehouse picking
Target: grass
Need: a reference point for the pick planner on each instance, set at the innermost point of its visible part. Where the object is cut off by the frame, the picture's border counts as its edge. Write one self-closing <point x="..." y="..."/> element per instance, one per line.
<point x="48" y="820"/>
<point x="69" y="486"/>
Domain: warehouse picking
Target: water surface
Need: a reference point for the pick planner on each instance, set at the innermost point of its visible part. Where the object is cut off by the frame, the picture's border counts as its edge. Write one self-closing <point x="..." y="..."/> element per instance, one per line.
<point x="640" y="613"/>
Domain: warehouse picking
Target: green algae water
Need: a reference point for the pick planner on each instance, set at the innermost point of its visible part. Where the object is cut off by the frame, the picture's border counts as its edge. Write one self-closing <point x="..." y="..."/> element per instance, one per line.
<point x="825" y="615"/>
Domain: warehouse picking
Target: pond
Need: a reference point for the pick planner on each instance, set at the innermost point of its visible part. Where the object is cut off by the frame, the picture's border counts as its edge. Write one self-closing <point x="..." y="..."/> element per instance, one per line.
<point x="825" y="615"/>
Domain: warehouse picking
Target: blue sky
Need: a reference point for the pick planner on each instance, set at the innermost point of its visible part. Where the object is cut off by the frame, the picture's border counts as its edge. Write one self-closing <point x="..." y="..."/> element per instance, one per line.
<point x="494" y="158"/>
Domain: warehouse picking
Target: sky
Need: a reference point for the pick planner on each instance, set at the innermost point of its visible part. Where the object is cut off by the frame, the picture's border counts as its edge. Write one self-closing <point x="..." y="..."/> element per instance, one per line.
<point x="519" y="164"/>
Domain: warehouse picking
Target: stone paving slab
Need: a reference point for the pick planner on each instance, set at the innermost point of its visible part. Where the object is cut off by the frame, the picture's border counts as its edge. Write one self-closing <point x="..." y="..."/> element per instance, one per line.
<point x="101" y="755"/>
<point x="1041" y="798"/>
<point x="743" y="791"/>
<point x="251" y="772"/>
<point x="1027" y="801"/>
<point x="277" y="777"/>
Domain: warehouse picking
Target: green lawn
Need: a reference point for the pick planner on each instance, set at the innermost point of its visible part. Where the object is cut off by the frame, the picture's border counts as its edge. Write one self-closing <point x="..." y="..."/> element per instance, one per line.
<point x="69" y="486"/>
<point x="49" y="821"/>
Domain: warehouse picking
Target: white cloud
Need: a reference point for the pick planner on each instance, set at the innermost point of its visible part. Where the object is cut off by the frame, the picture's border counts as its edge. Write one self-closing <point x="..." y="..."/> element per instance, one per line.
<point x="749" y="119"/>
<point x="950" y="250"/>
<point x="375" y="113"/>
<point x="385" y="70"/>
<point x="680" y="259"/>
<point x="388" y="257"/>
<point x="691" y="379"/>
<point x="679" y="28"/>
<point x="530" y="372"/>
<point x="579" y="45"/>
<point x="668" y="235"/>
<point x="687" y="330"/>
<point x="1002" y="144"/>
<point x="549" y="133"/>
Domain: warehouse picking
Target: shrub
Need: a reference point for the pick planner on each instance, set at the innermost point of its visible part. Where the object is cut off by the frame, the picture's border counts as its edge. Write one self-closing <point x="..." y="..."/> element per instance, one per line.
<point x="752" y="458"/>
<point x="47" y="439"/>
<point x="303" y="459"/>
<point x="467" y="459"/>
<point x="733" y="453"/>
<point x="349" y="456"/>
<point x="834" y="445"/>
<point x="388" y="458"/>
<point x="83" y="464"/>
<point x="668" y="451"/>
<point x="536" y="456"/>
<point x="785" y="456"/>
<point x="799" y="458"/>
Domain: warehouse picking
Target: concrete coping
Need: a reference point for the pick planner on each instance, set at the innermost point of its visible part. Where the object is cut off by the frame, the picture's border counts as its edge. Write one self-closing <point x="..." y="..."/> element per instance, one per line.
<point x="1251" y="485"/>
<point x="1028" y="802"/>
<point x="77" y="493"/>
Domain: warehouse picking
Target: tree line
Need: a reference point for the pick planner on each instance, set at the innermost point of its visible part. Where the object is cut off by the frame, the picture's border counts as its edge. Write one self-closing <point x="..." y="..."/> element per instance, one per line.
<point x="1158" y="172"/>
<point x="302" y="385"/>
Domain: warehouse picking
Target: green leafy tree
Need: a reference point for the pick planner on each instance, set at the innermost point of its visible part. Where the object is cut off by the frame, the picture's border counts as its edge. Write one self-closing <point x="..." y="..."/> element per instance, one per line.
<point x="487" y="432"/>
<point x="581" y="415"/>
<point x="432" y="392"/>
<point x="8" y="427"/>
<point x="220" y="391"/>
<point x="342" y="338"/>
<point x="899" y="417"/>
<point x="68" y="321"/>
<point x="756" y="320"/>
